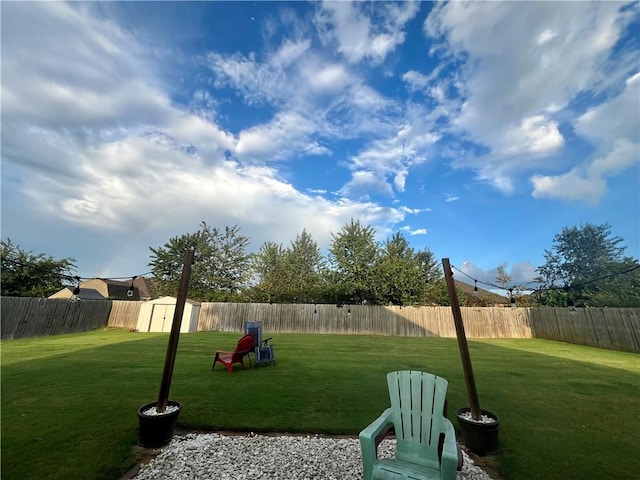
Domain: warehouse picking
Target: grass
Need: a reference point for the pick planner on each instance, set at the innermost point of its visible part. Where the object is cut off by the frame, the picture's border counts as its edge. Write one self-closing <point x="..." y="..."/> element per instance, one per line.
<point x="69" y="402"/>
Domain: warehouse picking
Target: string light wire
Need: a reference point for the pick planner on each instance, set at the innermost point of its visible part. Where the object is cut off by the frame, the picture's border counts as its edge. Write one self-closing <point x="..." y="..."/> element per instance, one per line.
<point x="553" y="287"/>
<point x="73" y="278"/>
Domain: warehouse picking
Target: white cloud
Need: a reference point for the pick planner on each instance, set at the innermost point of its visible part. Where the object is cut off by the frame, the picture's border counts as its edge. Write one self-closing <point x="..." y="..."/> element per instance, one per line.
<point x="516" y="81"/>
<point x="326" y="96"/>
<point x="588" y="184"/>
<point x="615" y="119"/>
<point x="414" y="211"/>
<point x="537" y="134"/>
<point x="363" y="183"/>
<point x="347" y="25"/>
<point x="569" y="186"/>
<point x="416" y="80"/>
<point x="546" y="36"/>
<point x="328" y="78"/>
<point x="614" y="126"/>
<point x="410" y="231"/>
<point x="98" y="145"/>
<point x="286" y="132"/>
<point x="395" y="155"/>
<point x="452" y="198"/>
<point x="290" y="51"/>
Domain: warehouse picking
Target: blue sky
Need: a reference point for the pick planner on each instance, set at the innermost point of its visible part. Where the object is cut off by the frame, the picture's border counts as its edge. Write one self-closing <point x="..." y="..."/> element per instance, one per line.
<point x="478" y="129"/>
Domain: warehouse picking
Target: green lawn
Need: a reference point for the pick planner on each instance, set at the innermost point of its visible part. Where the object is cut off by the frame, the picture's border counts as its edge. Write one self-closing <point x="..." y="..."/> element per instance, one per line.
<point x="69" y="402"/>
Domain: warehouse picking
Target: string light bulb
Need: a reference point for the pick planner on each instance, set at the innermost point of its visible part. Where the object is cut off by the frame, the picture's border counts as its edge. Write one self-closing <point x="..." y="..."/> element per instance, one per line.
<point x="130" y="290"/>
<point x="76" y="291"/>
<point x="475" y="287"/>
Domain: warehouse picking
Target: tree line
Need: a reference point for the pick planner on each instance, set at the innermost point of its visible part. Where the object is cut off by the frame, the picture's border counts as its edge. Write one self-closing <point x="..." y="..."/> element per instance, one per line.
<point x="585" y="266"/>
<point x="357" y="269"/>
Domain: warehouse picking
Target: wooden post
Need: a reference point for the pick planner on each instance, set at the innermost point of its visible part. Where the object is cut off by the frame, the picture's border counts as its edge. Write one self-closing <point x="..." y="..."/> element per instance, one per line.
<point x="472" y="393"/>
<point x="172" y="348"/>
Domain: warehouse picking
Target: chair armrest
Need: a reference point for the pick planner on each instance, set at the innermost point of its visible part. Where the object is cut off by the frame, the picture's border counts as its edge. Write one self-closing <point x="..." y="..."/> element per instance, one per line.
<point x="223" y="352"/>
<point x="371" y="437"/>
<point x="264" y="342"/>
<point x="449" y="463"/>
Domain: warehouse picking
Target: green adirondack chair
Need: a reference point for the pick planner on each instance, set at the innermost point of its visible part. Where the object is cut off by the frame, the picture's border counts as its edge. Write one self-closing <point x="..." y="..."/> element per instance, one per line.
<point x="426" y="443"/>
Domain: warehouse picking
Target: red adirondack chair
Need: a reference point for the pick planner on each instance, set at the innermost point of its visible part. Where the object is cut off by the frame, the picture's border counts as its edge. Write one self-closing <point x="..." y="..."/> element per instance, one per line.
<point x="243" y="349"/>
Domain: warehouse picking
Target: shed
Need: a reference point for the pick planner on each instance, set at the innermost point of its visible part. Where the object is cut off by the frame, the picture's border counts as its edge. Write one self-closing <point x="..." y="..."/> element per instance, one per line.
<point x="157" y="315"/>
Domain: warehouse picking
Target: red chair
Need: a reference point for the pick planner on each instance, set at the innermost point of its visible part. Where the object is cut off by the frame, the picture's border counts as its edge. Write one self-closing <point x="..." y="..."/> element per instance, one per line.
<point x="243" y="349"/>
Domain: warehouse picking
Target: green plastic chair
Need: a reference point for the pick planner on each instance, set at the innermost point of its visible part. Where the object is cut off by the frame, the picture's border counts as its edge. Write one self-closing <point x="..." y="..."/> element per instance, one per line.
<point x="425" y="439"/>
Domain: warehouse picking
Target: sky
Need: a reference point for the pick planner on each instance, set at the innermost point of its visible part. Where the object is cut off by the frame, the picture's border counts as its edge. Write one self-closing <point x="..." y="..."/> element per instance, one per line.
<point x="478" y="130"/>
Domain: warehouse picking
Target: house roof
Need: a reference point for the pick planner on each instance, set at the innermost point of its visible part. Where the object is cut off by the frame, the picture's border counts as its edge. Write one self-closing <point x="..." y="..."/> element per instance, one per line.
<point x="483" y="295"/>
<point x="85" y="294"/>
<point x="104" y="288"/>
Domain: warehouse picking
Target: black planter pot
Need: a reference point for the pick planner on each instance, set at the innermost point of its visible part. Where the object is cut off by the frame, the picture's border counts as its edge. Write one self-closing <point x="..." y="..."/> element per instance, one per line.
<point x="157" y="430"/>
<point x="480" y="438"/>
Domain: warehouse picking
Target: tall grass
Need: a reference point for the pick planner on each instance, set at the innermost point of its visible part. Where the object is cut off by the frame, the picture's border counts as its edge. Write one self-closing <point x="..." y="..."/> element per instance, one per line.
<point x="69" y="402"/>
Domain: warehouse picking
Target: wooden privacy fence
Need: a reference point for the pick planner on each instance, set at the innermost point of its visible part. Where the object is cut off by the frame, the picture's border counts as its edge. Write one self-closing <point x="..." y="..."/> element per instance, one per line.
<point x="124" y="314"/>
<point x="612" y="328"/>
<point x="34" y="317"/>
<point x="366" y="319"/>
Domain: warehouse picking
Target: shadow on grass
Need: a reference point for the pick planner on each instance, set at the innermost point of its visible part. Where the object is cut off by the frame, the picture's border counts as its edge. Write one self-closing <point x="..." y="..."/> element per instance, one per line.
<point x="73" y="415"/>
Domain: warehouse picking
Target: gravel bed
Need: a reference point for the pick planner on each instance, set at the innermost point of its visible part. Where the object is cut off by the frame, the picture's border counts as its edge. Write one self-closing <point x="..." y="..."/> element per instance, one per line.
<point x="237" y="457"/>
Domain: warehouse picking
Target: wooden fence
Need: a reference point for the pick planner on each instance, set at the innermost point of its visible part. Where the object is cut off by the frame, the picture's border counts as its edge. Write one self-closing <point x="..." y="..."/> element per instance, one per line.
<point x="365" y="319"/>
<point x="124" y="314"/>
<point x="612" y="328"/>
<point x="35" y="317"/>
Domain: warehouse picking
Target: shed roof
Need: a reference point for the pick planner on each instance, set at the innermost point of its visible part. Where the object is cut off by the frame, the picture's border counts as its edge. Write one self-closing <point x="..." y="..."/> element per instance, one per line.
<point x="171" y="301"/>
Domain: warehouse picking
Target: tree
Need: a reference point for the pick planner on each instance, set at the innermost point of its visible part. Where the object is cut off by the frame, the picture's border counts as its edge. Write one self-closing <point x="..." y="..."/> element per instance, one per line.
<point x="502" y="277"/>
<point x="27" y="275"/>
<point x="399" y="273"/>
<point x="586" y="265"/>
<point x="289" y="275"/>
<point x="303" y="263"/>
<point x="438" y="294"/>
<point x="352" y="255"/>
<point x="221" y="268"/>
<point x="268" y="267"/>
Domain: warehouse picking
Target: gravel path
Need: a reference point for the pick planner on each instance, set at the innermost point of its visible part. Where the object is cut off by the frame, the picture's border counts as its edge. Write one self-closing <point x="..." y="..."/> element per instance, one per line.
<point x="222" y="457"/>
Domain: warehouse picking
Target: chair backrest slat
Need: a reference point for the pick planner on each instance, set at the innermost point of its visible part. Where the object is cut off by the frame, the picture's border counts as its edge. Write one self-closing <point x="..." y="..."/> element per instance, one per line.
<point x="417" y="400"/>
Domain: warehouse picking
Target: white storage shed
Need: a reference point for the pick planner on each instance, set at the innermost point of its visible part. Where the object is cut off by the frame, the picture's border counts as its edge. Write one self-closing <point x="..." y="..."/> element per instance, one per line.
<point x="157" y="315"/>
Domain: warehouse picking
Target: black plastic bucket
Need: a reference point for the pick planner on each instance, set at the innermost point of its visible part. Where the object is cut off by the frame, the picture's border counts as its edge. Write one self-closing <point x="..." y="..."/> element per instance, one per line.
<point x="480" y="438"/>
<point x="157" y="430"/>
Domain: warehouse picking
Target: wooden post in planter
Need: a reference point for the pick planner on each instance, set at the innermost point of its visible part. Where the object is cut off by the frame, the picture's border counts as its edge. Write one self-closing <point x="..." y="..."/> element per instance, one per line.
<point x="472" y="392"/>
<point x="172" y="348"/>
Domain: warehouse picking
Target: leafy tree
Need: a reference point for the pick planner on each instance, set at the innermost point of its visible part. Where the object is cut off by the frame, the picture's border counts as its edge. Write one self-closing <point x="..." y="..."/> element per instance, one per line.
<point x="352" y="255"/>
<point x="220" y="270"/>
<point x="438" y="295"/>
<point x="268" y="266"/>
<point x="399" y="273"/>
<point x="586" y="265"/>
<point x="430" y="269"/>
<point x="289" y="275"/>
<point x="27" y="275"/>
<point x="303" y="265"/>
